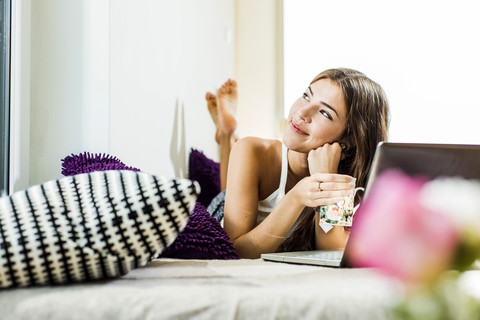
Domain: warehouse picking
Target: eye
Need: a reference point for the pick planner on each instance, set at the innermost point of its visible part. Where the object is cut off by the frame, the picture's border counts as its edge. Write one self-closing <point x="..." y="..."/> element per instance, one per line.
<point x="306" y="97"/>
<point x="326" y="114"/>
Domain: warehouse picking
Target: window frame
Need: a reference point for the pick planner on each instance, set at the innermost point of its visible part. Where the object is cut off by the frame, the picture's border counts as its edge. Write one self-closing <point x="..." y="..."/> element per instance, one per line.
<point x="5" y="47"/>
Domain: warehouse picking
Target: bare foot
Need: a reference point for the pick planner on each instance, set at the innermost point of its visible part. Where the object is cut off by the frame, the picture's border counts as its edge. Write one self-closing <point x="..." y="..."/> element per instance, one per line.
<point x="227" y="107"/>
<point x="212" y="108"/>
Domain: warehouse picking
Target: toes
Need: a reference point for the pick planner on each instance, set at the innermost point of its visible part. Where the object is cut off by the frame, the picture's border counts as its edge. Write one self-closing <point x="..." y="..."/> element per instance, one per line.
<point x="226" y="88"/>
<point x="210" y="96"/>
<point x="229" y="87"/>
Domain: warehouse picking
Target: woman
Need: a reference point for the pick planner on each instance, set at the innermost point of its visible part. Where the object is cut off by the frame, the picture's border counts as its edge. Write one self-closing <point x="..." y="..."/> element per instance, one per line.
<point x="329" y="141"/>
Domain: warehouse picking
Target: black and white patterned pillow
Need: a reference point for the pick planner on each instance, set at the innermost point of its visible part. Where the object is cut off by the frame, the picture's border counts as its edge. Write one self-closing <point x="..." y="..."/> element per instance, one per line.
<point x="90" y="226"/>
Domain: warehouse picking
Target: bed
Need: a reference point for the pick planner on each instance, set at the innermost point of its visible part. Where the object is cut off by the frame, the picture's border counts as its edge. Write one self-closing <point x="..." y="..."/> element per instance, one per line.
<point x="122" y="244"/>
<point x="213" y="289"/>
<point x="81" y="247"/>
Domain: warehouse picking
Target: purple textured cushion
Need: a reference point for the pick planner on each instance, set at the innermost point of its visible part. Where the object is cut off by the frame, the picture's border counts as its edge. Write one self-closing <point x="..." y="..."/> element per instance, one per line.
<point x="202" y="238"/>
<point x="88" y="162"/>
<point x="207" y="173"/>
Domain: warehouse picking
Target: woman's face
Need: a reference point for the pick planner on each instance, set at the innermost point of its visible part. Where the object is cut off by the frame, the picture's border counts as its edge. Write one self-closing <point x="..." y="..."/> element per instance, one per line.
<point x="316" y="118"/>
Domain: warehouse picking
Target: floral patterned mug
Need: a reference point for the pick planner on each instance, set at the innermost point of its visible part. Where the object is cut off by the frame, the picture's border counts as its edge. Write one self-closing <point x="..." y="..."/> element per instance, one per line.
<point x="340" y="213"/>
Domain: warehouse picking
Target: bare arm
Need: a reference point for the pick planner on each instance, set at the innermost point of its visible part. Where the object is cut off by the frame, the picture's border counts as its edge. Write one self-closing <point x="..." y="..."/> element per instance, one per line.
<point x="326" y="160"/>
<point x="241" y="204"/>
<point x="245" y="172"/>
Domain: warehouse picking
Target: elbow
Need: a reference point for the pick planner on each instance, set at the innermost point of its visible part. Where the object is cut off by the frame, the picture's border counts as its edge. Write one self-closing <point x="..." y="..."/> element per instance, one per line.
<point x="245" y="248"/>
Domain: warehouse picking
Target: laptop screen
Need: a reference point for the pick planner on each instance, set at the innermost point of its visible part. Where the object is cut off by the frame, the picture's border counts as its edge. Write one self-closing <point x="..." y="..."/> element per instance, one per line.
<point x="428" y="160"/>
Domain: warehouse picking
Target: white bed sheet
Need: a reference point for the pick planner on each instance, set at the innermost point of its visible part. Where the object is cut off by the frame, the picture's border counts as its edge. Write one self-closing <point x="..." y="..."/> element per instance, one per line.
<point x="212" y="289"/>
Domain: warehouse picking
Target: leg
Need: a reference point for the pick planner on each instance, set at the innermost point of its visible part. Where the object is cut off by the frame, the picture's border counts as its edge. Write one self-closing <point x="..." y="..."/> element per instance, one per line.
<point x="222" y="110"/>
<point x="227" y="106"/>
<point x="226" y="144"/>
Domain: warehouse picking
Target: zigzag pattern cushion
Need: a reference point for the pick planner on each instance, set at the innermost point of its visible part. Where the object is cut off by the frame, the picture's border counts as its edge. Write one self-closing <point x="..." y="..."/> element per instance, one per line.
<point x="90" y="226"/>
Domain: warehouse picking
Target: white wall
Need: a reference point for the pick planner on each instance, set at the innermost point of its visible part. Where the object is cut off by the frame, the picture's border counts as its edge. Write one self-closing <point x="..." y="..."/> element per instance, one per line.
<point x="259" y="66"/>
<point x="127" y="79"/>
<point x="69" y="83"/>
<point x="164" y="57"/>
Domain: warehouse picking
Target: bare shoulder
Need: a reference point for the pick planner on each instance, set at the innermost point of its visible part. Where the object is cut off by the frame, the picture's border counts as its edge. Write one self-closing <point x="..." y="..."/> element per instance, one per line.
<point x="260" y="159"/>
<point x="257" y="145"/>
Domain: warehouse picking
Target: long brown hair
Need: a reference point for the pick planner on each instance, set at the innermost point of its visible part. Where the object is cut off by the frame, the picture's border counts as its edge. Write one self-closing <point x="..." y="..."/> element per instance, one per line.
<point x="366" y="125"/>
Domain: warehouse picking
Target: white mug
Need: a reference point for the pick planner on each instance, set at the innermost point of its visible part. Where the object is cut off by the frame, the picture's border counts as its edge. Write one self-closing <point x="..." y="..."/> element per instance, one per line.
<point x="340" y="213"/>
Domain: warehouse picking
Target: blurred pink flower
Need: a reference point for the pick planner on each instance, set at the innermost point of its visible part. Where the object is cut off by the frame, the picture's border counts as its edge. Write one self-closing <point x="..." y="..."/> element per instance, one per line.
<point x="397" y="234"/>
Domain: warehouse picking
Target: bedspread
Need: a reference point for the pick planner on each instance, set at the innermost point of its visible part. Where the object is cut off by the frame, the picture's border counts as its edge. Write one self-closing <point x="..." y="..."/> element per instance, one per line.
<point x="212" y="289"/>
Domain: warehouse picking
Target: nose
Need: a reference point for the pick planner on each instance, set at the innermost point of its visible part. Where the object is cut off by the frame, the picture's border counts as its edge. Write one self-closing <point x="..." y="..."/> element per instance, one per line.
<point x="305" y="112"/>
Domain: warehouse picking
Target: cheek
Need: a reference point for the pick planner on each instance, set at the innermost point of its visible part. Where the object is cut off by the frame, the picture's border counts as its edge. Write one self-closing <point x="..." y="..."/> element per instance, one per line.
<point x="326" y="132"/>
<point x="294" y="108"/>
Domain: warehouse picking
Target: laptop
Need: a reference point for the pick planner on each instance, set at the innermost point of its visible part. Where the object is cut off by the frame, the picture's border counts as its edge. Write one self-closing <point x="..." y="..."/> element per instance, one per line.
<point x="414" y="159"/>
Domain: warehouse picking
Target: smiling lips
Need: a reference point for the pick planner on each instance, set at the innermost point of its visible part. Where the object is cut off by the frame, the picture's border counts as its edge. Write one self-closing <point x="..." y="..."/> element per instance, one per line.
<point x="297" y="129"/>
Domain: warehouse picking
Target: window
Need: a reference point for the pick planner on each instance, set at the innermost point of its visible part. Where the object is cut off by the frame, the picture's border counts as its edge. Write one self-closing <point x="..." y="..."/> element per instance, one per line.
<point x="425" y="54"/>
<point x="4" y="92"/>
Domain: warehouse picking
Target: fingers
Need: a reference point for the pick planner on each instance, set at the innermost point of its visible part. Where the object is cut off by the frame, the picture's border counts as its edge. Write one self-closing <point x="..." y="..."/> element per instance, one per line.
<point x="330" y="188"/>
<point x="334" y="182"/>
<point x="316" y="197"/>
<point x="333" y="194"/>
<point x="324" y="159"/>
<point x="330" y="147"/>
<point x="321" y="198"/>
<point x="336" y="185"/>
<point x="332" y="177"/>
<point x="323" y="189"/>
<point x="325" y="201"/>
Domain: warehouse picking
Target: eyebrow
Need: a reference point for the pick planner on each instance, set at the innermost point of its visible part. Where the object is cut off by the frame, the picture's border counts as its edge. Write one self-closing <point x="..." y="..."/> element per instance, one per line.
<point x="323" y="102"/>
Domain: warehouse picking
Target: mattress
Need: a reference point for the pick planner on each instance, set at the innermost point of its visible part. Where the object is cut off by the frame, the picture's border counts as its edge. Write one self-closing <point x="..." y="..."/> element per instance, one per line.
<point x="213" y="289"/>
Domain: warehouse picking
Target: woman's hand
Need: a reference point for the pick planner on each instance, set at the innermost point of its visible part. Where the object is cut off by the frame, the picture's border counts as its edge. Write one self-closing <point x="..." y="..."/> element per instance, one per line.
<point x="323" y="188"/>
<point x="325" y="159"/>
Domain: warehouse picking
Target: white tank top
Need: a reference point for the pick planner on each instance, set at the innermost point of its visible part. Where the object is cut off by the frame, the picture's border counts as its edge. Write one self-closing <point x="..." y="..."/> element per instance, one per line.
<point x="266" y="205"/>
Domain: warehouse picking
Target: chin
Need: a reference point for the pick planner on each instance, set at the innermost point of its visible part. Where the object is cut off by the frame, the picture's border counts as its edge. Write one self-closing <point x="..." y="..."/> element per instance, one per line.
<point x="293" y="145"/>
<point x="287" y="141"/>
